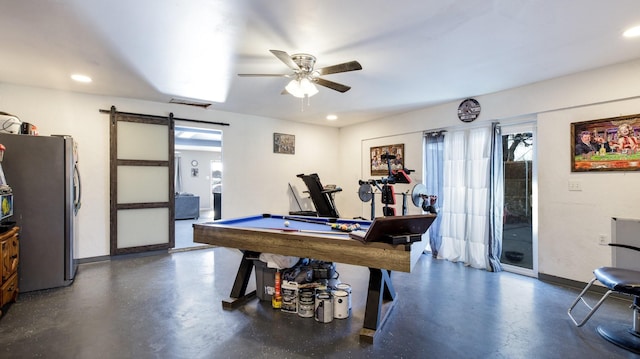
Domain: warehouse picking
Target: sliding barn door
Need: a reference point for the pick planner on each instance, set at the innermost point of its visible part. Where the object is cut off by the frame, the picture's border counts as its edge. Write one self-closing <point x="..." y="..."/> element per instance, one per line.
<point x="142" y="183"/>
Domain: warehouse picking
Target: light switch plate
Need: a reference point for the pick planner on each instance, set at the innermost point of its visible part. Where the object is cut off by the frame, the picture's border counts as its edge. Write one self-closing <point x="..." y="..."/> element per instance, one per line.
<point x="575" y="185"/>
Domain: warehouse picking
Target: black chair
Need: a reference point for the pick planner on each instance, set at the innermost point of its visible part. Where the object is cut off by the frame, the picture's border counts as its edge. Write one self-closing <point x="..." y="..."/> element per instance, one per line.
<point x="322" y="197"/>
<point x="621" y="281"/>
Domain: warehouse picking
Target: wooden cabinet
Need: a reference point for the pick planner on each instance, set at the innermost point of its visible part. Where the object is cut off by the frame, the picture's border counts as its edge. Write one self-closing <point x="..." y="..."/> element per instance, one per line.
<point x="9" y="254"/>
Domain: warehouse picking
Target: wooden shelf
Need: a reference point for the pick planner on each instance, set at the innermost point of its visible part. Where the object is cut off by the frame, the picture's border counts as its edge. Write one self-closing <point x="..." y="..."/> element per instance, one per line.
<point x="9" y="255"/>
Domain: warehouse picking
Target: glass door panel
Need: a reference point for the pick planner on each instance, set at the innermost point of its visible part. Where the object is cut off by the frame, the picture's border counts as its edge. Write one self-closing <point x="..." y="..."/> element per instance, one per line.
<point x="517" y="237"/>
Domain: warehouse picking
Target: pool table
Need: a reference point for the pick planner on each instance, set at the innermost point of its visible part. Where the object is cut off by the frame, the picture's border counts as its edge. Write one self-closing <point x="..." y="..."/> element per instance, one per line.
<point x="268" y="234"/>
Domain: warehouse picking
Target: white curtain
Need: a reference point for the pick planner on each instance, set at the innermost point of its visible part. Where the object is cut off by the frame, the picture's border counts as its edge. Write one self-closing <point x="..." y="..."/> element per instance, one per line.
<point x="465" y="208"/>
<point x="434" y="152"/>
<point x="496" y="200"/>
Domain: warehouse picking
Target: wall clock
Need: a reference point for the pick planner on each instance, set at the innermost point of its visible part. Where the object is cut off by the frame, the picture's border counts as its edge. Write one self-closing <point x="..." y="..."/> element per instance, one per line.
<point x="194" y="163"/>
<point x="468" y="110"/>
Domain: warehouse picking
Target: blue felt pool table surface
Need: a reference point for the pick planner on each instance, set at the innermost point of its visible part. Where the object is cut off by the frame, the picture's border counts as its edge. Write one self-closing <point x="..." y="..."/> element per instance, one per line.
<point x="277" y="222"/>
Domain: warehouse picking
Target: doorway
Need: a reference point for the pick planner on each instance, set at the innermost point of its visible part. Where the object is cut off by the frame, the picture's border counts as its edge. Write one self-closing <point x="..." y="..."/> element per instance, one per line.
<point x="199" y="170"/>
<point x="519" y="234"/>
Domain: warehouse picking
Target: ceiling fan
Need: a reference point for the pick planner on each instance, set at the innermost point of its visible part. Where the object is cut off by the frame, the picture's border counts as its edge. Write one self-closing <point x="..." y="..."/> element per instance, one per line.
<point x="304" y="76"/>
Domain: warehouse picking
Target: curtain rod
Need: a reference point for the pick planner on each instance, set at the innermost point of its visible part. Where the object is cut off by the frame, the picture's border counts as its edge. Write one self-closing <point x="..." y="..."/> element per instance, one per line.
<point x="163" y="117"/>
<point x="433" y="132"/>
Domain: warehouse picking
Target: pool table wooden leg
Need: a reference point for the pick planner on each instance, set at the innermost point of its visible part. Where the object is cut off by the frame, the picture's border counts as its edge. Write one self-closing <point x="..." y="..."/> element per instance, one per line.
<point x="380" y="290"/>
<point x="238" y="293"/>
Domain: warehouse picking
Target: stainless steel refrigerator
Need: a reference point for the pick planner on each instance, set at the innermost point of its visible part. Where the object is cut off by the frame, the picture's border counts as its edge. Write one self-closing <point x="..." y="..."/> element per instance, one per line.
<point x="42" y="171"/>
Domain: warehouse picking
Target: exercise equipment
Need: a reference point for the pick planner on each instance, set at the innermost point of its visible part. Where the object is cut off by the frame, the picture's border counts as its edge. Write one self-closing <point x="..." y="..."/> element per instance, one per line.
<point x="421" y="198"/>
<point x="365" y="193"/>
<point x="321" y="196"/>
<point x="419" y="195"/>
<point x="388" y="195"/>
<point x="385" y="187"/>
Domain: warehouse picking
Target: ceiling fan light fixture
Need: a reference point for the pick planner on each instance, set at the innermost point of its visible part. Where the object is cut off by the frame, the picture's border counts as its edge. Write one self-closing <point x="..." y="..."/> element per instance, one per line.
<point x="294" y="88"/>
<point x="305" y="77"/>
<point x="307" y="87"/>
<point x="301" y="88"/>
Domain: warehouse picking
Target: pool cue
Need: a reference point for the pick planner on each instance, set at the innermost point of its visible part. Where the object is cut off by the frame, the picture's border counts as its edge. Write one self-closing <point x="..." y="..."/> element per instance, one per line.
<point x="343" y="227"/>
<point x="351" y="226"/>
<point x="298" y="219"/>
<point x="310" y="231"/>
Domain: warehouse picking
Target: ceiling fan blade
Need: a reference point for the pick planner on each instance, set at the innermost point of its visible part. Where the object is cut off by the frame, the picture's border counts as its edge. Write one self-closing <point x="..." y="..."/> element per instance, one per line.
<point x="261" y="75"/>
<point x="284" y="57"/>
<point x="347" y="66"/>
<point x="332" y="85"/>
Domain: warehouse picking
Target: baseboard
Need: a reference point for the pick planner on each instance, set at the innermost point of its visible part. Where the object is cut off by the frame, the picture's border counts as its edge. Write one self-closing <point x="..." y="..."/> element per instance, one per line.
<point x="595" y="288"/>
<point x="120" y="256"/>
<point x="93" y="259"/>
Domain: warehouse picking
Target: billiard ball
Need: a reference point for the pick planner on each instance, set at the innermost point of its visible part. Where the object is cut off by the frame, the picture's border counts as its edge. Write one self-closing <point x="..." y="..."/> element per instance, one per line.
<point x="286" y="223"/>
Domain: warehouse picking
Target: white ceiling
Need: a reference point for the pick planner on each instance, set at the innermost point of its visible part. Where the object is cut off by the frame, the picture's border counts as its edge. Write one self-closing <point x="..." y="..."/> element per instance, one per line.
<point x="414" y="53"/>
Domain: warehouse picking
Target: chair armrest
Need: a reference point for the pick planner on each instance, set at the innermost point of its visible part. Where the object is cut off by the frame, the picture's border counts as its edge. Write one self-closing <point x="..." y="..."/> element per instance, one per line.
<point x="625" y="246"/>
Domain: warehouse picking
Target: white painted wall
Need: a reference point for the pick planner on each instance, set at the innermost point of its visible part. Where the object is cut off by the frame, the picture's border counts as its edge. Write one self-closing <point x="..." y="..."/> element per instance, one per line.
<point x="255" y="178"/>
<point x="569" y="222"/>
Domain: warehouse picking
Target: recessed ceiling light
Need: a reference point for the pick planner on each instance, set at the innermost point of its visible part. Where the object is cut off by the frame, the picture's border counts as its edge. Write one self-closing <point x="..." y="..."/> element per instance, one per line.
<point x="632" y="32"/>
<point x="332" y="117"/>
<point x="81" y="78"/>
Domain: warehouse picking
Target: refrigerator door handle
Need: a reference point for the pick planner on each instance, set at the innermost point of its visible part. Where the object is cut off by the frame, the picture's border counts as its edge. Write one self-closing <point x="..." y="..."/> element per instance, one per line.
<point x="77" y="189"/>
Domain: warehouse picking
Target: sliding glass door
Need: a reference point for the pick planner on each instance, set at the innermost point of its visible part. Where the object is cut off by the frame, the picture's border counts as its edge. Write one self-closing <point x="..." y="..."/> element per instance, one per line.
<point x="519" y="238"/>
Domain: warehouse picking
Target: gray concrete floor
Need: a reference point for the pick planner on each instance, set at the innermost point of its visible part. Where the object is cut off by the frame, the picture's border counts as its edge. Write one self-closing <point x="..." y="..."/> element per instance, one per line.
<point x="184" y="231"/>
<point x="169" y="306"/>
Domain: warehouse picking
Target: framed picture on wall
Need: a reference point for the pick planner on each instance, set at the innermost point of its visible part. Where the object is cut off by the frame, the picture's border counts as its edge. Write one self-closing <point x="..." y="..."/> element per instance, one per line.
<point x="380" y="164"/>
<point x="610" y="144"/>
<point x="283" y="143"/>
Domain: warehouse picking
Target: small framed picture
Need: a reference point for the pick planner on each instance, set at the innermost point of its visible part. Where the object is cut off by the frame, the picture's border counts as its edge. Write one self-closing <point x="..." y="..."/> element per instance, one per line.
<point x="194" y="172"/>
<point x="283" y="143"/>
<point x="383" y="157"/>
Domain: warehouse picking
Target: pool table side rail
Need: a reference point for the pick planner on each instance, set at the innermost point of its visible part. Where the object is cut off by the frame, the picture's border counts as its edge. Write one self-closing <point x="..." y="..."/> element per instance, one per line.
<point x="307" y="245"/>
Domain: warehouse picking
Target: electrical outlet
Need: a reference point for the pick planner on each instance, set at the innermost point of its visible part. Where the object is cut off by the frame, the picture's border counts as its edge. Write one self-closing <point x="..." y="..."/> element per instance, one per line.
<point x="575" y="185"/>
<point x="602" y="240"/>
